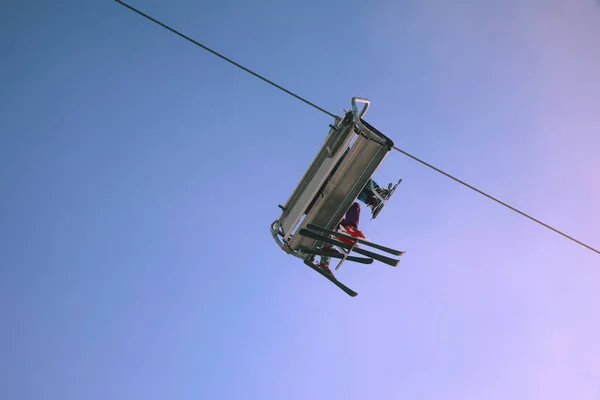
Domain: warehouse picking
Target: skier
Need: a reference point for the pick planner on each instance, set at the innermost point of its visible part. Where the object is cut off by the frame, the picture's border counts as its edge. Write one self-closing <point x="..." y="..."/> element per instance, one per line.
<point x="349" y="224"/>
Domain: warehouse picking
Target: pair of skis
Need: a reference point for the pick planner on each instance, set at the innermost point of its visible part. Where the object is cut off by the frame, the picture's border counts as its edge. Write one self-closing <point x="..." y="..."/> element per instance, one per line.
<point x="325" y="234"/>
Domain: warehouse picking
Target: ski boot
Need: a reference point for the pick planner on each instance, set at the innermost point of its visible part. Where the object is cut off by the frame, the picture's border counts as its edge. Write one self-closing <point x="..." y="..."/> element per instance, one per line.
<point x="376" y="203"/>
<point x="352" y="231"/>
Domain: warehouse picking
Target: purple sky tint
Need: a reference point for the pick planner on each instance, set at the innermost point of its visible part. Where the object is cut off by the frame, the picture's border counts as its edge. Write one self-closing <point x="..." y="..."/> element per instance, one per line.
<point x="139" y="176"/>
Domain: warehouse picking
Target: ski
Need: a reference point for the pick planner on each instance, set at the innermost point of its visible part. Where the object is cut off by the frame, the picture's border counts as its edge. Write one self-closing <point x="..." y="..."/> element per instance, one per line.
<point x="383" y="259"/>
<point x="337" y="254"/>
<point x="362" y="241"/>
<point x="337" y="283"/>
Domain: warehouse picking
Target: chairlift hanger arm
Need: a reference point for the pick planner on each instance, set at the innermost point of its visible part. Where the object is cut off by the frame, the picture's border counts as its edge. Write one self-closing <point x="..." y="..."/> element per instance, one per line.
<point x="365" y="108"/>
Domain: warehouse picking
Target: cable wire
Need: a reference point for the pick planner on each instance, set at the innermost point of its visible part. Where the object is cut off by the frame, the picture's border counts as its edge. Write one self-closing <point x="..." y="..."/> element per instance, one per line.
<point x="226" y="59"/>
<point x="336" y="117"/>
<point x="495" y="199"/>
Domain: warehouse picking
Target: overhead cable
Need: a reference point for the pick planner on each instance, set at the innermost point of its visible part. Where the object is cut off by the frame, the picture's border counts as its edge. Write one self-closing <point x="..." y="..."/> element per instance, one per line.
<point x="226" y="59"/>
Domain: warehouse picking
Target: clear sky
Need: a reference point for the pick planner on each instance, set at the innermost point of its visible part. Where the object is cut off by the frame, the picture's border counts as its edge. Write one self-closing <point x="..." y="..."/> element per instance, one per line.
<point x="139" y="175"/>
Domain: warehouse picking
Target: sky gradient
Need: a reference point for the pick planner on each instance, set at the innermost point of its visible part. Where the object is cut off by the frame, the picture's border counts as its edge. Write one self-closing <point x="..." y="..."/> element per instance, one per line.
<point x="139" y="175"/>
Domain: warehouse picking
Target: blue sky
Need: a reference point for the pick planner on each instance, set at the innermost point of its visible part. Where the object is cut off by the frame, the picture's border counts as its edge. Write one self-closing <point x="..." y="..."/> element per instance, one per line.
<point x="139" y="175"/>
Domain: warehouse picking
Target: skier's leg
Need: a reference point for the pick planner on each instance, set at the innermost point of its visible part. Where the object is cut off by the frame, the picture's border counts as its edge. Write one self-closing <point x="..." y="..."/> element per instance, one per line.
<point x="352" y="216"/>
<point x="367" y="196"/>
<point x="350" y="224"/>
<point x="366" y="193"/>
